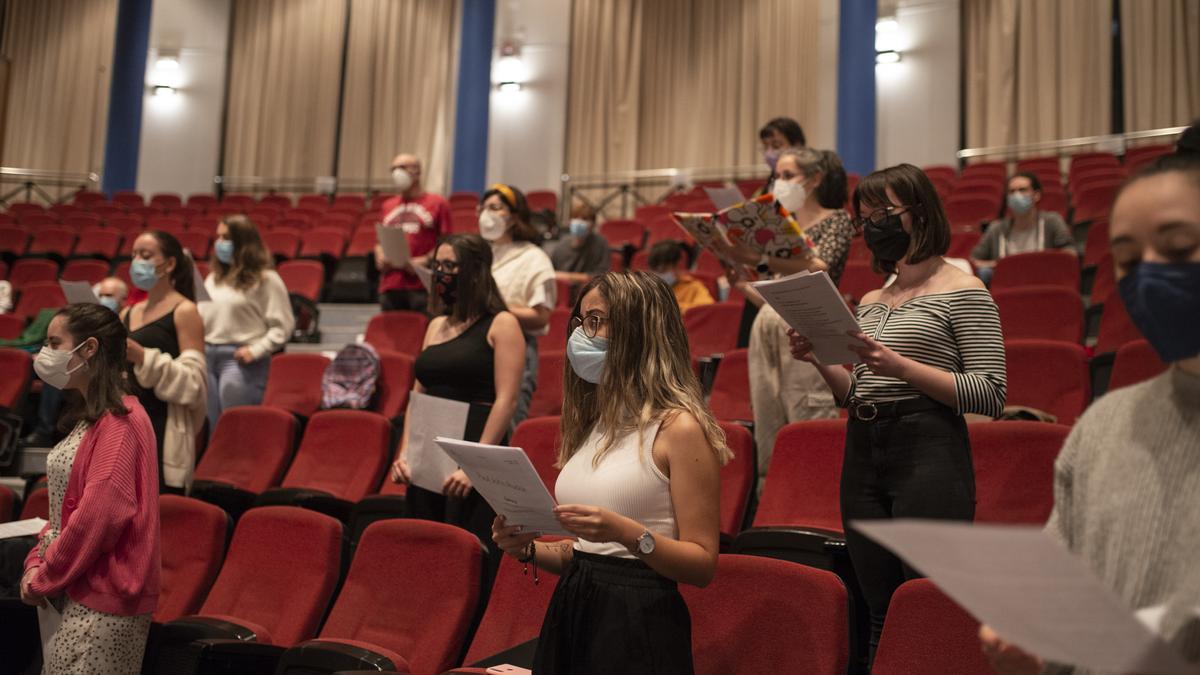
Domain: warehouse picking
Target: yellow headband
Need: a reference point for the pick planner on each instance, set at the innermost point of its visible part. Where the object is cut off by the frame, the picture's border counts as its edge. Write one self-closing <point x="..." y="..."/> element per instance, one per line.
<point x="507" y="192"/>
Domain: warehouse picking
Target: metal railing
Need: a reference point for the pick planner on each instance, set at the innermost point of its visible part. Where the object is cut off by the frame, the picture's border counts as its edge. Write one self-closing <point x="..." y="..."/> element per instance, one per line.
<point x="1114" y="143"/>
<point x="631" y="188"/>
<point x="256" y="185"/>
<point x="35" y="182"/>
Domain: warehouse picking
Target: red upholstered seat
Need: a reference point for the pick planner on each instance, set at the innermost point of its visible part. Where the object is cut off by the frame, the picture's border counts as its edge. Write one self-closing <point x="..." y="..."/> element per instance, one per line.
<point x="515" y="610"/>
<point x="394" y="383"/>
<point x="620" y="233"/>
<point x="399" y="331"/>
<point x="1116" y="327"/>
<point x="548" y="396"/>
<point x="250" y="448"/>
<point x="1040" y="312"/>
<point x="101" y="243"/>
<point x="326" y="462"/>
<point x="802" y="482"/>
<point x="1049" y="376"/>
<point x="1135" y="362"/>
<point x="303" y="277"/>
<point x="37" y="505"/>
<point x="1014" y="470"/>
<point x="16" y="370"/>
<point x="730" y="397"/>
<point x="32" y="270"/>
<point x="91" y="271"/>
<point x="37" y="296"/>
<point x="294" y="382"/>
<point x="540" y="438"/>
<point x="193" y="547"/>
<point x="713" y="329"/>
<point x="1044" y="268"/>
<point x="738" y="478"/>
<point x="926" y="632"/>
<point x="556" y="339"/>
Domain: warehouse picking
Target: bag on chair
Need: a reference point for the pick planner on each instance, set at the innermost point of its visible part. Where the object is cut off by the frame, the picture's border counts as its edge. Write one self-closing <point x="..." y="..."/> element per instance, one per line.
<point x="349" y="380"/>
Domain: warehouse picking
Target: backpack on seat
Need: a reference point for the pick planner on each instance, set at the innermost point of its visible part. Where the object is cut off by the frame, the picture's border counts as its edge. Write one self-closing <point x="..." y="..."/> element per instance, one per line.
<point x="349" y="380"/>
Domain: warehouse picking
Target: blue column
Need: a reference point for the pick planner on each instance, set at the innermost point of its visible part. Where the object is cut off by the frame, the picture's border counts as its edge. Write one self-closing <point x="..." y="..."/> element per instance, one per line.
<point x="125" y="96"/>
<point x="474" y="95"/>
<point x="856" y="85"/>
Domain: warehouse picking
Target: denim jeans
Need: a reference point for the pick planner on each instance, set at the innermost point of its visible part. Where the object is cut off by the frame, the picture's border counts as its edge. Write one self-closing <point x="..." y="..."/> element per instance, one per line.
<point x="232" y="384"/>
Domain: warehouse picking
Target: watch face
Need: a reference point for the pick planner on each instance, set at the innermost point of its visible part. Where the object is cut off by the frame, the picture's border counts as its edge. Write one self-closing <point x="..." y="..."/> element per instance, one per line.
<point x="646" y="543"/>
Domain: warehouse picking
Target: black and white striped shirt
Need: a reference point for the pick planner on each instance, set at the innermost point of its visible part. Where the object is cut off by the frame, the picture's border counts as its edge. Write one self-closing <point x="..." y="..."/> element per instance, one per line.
<point x="957" y="331"/>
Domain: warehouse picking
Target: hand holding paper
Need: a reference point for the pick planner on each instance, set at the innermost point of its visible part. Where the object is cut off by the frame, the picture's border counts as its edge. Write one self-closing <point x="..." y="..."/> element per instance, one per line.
<point x="811" y="304"/>
<point x="394" y="243"/>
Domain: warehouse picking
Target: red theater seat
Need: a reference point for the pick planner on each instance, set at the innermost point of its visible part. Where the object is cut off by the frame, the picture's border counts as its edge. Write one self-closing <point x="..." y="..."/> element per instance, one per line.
<point x="294" y="383"/>
<point x="1049" y="376"/>
<point x="193" y="547"/>
<point x="398" y="331"/>
<point x="730" y="397"/>
<point x="1014" y="470"/>
<point x="247" y="454"/>
<point x="712" y="329"/>
<point x="926" y="632"/>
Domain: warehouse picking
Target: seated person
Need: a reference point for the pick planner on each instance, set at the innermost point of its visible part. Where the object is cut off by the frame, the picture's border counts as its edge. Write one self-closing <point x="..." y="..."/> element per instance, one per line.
<point x="669" y="261"/>
<point x="580" y="253"/>
<point x="112" y="293"/>
<point x="1025" y="231"/>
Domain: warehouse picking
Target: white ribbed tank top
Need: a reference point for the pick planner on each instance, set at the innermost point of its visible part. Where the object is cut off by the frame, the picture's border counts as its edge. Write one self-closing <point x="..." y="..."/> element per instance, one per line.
<point x="626" y="482"/>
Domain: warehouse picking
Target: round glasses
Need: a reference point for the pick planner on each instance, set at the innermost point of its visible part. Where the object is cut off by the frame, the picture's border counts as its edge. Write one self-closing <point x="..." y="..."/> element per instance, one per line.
<point x="877" y="216"/>
<point x="444" y="266"/>
<point x="590" y="324"/>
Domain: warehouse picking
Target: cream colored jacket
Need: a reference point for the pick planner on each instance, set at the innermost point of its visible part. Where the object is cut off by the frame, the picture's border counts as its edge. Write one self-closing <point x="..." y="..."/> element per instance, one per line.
<point x="183" y="383"/>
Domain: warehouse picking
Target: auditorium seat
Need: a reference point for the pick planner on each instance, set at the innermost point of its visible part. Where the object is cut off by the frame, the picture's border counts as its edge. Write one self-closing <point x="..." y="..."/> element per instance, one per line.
<point x="23" y="208"/>
<point x="283" y="201"/>
<point x="514" y="614"/>
<point x="1014" y="470"/>
<point x="1104" y="282"/>
<point x="37" y="504"/>
<point x="166" y="200"/>
<point x="37" y="296"/>
<point x="273" y="588"/>
<point x="394" y="384"/>
<point x="88" y="198"/>
<point x="127" y="225"/>
<point x="98" y="243"/>
<point x="329" y="474"/>
<point x="16" y="371"/>
<point x="712" y="329"/>
<point x="238" y="199"/>
<point x="38" y="220"/>
<point x="129" y="199"/>
<point x="1056" y="201"/>
<point x="927" y="633"/>
<point x="323" y="241"/>
<point x="1111" y="176"/>
<point x="409" y="598"/>
<point x="556" y="339"/>
<point x="768" y="616"/>
<point x="1135" y="362"/>
<point x="81" y="222"/>
<point x="649" y="213"/>
<point x="108" y="210"/>
<point x="1094" y="200"/>
<point x="738" y="479"/>
<point x="362" y="242"/>
<point x="305" y="278"/>
<point x="399" y="331"/>
<point x="962" y="243"/>
<point x="858" y="278"/>
<point x="1096" y="246"/>
<point x="91" y="271"/>
<point x="52" y="241"/>
<point x="196" y="242"/>
<point x="666" y="230"/>
<point x="193" y="546"/>
<point x="294" y="382"/>
<point x="1116" y="327"/>
<point x="620" y="233"/>
<point x="247" y="453"/>
<point x="1136" y="158"/>
<point x="14" y="239"/>
<point x="548" y="396"/>
<point x="8" y="500"/>
<point x="542" y="199"/>
<point x="1040" y="312"/>
<point x="968" y="211"/>
<point x="27" y="271"/>
<point x="1049" y="376"/>
<point x="1045" y="268"/>
<point x="540" y="438"/>
<point x="11" y="326"/>
<point x="730" y="397"/>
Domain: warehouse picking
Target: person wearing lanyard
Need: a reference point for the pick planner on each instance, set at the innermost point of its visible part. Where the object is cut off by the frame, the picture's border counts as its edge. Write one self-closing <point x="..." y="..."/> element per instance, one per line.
<point x="930" y="351"/>
<point x="1028" y="230"/>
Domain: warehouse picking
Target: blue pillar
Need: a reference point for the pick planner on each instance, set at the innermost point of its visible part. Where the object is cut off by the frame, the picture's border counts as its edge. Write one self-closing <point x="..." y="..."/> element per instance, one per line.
<point x="856" y="85"/>
<point x="474" y="95"/>
<point x="125" y="96"/>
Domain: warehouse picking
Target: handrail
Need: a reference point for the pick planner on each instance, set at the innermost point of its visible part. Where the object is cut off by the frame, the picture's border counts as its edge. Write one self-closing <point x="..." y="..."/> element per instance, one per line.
<point x="314" y="184"/>
<point x="31" y="181"/>
<point x="1115" y="141"/>
<point x="623" y="185"/>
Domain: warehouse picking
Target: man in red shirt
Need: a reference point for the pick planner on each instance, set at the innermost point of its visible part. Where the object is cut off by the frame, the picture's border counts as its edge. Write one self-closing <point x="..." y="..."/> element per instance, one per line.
<point x="425" y="217"/>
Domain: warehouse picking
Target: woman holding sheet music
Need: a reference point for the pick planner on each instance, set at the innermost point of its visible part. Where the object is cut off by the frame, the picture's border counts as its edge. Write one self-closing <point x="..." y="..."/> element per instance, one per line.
<point x="931" y="350"/>
<point x="474" y="352"/>
<point x="639" y="487"/>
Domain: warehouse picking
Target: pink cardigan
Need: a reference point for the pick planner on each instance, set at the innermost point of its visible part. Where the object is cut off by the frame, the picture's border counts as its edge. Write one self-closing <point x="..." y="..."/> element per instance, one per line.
<point x="107" y="555"/>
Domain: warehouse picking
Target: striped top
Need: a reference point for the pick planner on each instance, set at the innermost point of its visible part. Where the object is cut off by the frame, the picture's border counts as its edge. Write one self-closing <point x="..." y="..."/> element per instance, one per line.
<point x="956" y="331"/>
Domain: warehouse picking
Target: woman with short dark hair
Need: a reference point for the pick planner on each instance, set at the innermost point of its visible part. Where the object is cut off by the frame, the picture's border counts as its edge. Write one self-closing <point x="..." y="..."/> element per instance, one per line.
<point x="931" y="351"/>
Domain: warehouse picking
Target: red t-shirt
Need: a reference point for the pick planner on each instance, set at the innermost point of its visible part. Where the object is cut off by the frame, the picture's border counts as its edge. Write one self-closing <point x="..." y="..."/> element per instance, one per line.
<point x="424" y="219"/>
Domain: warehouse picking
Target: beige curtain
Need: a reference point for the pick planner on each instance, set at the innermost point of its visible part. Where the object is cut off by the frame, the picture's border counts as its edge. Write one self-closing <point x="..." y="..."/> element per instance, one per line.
<point x="399" y="88"/>
<point x="285" y="68"/>
<point x="1036" y="70"/>
<point x="685" y="83"/>
<point x="1160" y="51"/>
<point x="59" y="56"/>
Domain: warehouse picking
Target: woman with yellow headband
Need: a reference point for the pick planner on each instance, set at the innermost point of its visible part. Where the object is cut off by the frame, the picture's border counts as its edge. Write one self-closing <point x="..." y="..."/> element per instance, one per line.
<point x="522" y="271"/>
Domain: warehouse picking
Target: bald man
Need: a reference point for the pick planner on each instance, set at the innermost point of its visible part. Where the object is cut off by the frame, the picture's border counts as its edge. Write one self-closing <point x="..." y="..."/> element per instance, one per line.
<point x="112" y="293"/>
<point x="424" y="216"/>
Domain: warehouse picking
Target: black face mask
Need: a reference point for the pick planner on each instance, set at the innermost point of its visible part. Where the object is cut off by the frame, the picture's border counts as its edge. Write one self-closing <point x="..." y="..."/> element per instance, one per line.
<point x="446" y="286"/>
<point x="887" y="240"/>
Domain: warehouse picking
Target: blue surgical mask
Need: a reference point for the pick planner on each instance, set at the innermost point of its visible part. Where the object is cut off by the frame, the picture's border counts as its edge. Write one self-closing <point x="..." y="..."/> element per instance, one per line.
<point x="587" y="355"/>
<point x="1163" y="299"/>
<point x="110" y="302"/>
<point x="223" y="248"/>
<point x="668" y="277"/>
<point x="770" y="157"/>
<point x="143" y="274"/>
<point x="1020" y="203"/>
<point x="579" y="228"/>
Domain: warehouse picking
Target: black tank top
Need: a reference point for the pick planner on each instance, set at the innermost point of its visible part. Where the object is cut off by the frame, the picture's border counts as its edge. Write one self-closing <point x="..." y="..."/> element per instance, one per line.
<point x="159" y="334"/>
<point x="461" y="369"/>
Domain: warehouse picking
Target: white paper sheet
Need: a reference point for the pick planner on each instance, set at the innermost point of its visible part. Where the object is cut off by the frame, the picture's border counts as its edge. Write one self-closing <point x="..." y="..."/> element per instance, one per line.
<point x="21" y="528"/>
<point x="424" y="275"/>
<point x="78" y="291"/>
<point x="810" y="303"/>
<point x="428" y="418"/>
<point x="394" y="243"/>
<point x="49" y="619"/>
<point x="1031" y="590"/>
<point x="507" y="480"/>
<point x="724" y="197"/>
<point x="198" y="281"/>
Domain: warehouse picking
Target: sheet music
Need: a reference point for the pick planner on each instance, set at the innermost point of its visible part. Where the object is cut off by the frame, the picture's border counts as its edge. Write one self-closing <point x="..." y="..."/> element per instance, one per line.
<point x="428" y="418"/>
<point x="810" y="303"/>
<point x="22" y="528"/>
<point x="395" y="244"/>
<point x="78" y="292"/>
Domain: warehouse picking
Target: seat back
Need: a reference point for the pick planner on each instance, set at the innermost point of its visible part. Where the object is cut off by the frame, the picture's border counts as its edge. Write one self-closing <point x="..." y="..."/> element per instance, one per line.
<point x="294" y="382"/>
<point x="1116" y="326"/>
<point x="737" y="477"/>
<point x="927" y="632"/>
<point x="32" y="270"/>
<point x="1014" y="470"/>
<point x="514" y="614"/>
<point x="91" y="271"/>
<point x="282" y="566"/>
<point x="1135" y="362"/>
<point x="1050" y="376"/>
<point x="37" y="504"/>
<point x="102" y="243"/>
<point x="541" y="439"/>
<point x="399" y="331"/>
<point x="37" y="296"/>
<point x="193" y="546"/>
<point x="1040" y="312"/>
<point x="250" y="448"/>
<point x="303" y="277"/>
<point x="713" y="329"/>
<point x="730" y="397"/>
<point x="548" y="396"/>
<point x="412" y="588"/>
<point x="620" y="233"/>
<point x="1045" y="268"/>
<point x="858" y="278"/>
<point x="326" y="461"/>
<point x="748" y="619"/>
<point x="556" y="339"/>
<point x="803" y="479"/>
<point x="394" y="383"/>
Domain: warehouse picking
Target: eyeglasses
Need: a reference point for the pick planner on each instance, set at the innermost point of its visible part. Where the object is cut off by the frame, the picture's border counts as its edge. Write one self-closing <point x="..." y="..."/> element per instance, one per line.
<point x="444" y="266"/>
<point x="877" y="216"/>
<point x="590" y="324"/>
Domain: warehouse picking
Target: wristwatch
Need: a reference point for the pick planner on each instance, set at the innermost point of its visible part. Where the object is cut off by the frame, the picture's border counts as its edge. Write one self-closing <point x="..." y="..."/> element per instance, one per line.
<point x="763" y="267"/>
<point x="645" y="543"/>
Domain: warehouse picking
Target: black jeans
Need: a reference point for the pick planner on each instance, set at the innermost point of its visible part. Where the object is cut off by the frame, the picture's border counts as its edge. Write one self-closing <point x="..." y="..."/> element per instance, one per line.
<point x="913" y="466"/>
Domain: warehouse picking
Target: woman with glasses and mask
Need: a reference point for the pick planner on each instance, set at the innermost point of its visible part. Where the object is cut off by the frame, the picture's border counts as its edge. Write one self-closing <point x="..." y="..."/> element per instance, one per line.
<point x="97" y="560"/>
<point x="930" y="350"/>
<point x="474" y="352"/>
<point x="639" y="488"/>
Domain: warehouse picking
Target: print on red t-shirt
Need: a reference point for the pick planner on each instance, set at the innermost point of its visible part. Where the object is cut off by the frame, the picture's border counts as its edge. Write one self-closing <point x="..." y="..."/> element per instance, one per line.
<point x="424" y="219"/>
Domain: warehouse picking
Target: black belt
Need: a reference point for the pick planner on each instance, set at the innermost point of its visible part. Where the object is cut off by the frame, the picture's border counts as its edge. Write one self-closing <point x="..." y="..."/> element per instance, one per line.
<point x="865" y="411"/>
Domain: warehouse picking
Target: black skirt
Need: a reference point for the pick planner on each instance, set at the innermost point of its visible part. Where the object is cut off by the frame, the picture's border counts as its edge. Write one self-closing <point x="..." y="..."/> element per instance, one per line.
<point x="614" y="615"/>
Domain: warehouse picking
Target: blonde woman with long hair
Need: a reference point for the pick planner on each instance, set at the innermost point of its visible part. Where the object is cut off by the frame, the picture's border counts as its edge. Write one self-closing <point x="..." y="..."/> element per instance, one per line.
<point x="639" y="488"/>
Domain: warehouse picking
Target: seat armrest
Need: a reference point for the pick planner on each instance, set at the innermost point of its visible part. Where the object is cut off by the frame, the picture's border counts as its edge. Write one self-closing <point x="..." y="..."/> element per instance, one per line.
<point x="178" y="646"/>
<point x="236" y="656"/>
<point x="340" y="655"/>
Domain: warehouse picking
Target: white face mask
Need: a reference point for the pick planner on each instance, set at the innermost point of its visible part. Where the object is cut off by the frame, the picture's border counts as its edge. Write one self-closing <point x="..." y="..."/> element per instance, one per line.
<point x="790" y="195"/>
<point x="492" y="225"/>
<point x="402" y="179"/>
<point x="51" y="366"/>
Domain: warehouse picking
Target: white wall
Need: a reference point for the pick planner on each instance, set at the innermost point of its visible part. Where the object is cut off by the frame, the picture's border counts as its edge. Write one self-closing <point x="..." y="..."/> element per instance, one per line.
<point x="527" y="128"/>
<point x="181" y="138"/>
<point x="918" y="98"/>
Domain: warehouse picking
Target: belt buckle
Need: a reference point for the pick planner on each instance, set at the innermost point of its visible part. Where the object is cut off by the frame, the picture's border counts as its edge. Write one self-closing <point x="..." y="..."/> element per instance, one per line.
<point x="858" y="411"/>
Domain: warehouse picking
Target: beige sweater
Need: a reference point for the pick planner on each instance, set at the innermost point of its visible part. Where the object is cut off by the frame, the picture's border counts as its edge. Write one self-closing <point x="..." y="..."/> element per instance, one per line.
<point x="183" y="383"/>
<point x="1127" y="500"/>
<point x="259" y="318"/>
